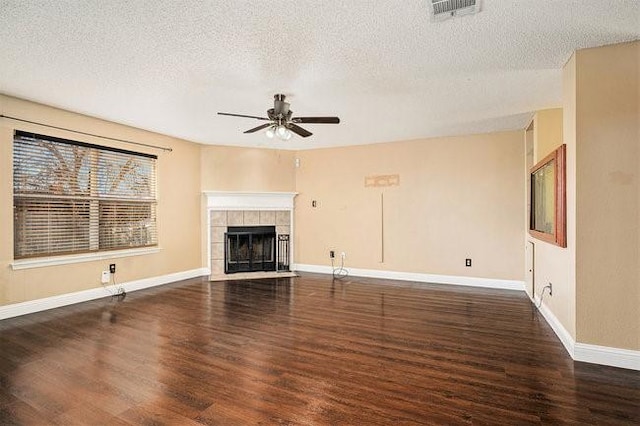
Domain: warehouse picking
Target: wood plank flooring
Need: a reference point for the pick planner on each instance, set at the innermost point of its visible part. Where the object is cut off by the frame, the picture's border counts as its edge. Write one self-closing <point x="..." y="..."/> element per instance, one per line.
<point x="305" y="350"/>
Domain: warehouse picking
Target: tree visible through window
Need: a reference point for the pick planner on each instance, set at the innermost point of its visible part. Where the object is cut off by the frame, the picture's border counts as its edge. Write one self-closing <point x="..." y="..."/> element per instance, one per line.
<point x="73" y="197"/>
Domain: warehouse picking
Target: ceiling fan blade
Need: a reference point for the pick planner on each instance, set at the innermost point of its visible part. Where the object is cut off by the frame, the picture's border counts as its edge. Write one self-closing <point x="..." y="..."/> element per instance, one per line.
<point x="316" y="120"/>
<point x="242" y="115"/>
<point x="299" y="130"/>
<point x="255" y="129"/>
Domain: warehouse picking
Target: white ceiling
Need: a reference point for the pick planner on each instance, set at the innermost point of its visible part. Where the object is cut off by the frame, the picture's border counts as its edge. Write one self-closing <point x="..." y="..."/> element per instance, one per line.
<point x="383" y="67"/>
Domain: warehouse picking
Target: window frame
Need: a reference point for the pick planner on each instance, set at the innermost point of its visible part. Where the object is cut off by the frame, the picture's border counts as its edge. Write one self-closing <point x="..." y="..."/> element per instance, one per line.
<point x="126" y="196"/>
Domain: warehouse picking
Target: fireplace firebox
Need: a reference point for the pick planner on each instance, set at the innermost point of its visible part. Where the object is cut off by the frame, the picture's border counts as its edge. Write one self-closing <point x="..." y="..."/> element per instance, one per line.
<point x="250" y="249"/>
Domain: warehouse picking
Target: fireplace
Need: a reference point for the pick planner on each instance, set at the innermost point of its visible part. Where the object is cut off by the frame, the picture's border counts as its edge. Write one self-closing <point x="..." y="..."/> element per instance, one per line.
<point x="232" y="216"/>
<point x="250" y="249"/>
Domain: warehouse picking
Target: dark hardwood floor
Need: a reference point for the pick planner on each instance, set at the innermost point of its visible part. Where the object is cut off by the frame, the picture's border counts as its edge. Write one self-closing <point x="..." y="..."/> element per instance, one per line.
<point x="304" y="350"/>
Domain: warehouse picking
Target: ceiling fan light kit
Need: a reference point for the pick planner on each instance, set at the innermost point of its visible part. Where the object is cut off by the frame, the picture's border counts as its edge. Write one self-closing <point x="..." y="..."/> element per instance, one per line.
<point x="270" y="133"/>
<point x="281" y="131"/>
<point x="281" y="120"/>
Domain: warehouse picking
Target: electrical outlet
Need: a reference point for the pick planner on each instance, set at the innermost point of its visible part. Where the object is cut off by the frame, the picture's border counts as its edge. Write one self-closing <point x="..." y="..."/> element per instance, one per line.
<point x="550" y="289"/>
<point x="332" y="254"/>
<point x="106" y="277"/>
<point x="467" y="262"/>
<point x="343" y="255"/>
<point x="112" y="268"/>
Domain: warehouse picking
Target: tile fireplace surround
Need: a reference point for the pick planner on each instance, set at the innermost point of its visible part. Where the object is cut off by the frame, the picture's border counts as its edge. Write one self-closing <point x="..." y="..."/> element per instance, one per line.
<point x="245" y="209"/>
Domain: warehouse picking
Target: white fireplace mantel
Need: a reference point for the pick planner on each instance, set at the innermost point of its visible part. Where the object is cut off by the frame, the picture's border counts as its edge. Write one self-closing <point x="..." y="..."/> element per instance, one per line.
<point x="228" y="200"/>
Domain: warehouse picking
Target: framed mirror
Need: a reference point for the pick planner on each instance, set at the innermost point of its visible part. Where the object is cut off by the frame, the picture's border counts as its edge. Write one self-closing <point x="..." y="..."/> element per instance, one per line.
<point x="548" y="200"/>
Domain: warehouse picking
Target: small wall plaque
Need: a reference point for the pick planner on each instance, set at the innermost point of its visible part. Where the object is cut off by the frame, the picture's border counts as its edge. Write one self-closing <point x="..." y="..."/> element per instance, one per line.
<point x="382" y="180"/>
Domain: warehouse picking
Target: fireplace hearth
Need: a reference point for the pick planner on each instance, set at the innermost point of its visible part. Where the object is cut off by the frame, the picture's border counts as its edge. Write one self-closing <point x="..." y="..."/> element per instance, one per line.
<point x="250" y="249"/>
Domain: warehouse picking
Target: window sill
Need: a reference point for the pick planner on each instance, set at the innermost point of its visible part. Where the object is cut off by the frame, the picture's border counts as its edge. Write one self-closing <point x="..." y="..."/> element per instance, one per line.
<point x="78" y="258"/>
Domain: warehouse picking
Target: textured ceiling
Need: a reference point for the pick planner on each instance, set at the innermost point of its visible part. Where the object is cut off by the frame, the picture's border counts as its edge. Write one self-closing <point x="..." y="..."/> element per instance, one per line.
<point x="383" y="67"/>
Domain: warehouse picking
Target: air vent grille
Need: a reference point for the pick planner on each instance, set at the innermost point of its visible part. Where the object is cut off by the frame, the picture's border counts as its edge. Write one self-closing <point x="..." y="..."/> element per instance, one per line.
<point x="444" y="9"/>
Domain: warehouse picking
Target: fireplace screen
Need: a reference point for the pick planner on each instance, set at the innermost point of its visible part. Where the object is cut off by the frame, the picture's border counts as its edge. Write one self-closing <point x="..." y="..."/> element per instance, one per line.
<point x="250" y="249"/>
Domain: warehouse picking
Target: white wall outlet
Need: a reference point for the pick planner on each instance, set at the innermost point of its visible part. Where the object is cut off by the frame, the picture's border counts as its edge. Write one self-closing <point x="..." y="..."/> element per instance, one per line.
<point x="343" y="254"/>
<point x="106" y="277"/>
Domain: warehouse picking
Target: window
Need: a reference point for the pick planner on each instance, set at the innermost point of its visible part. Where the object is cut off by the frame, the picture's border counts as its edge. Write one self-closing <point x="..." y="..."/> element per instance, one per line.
<point x="547" y="217"/>
<point x="71" y="197"/>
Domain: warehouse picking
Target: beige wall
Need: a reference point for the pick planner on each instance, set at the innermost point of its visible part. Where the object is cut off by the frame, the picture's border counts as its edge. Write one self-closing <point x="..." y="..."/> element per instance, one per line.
<point x="459" y="197"/>
<point x="547" y="132"/>
<point x="178" y="207"/>
<point x="608" y="195"/>
<point x="247" y="169"/>
<point x="596" y="293"/>
<point x="567" y="302"/>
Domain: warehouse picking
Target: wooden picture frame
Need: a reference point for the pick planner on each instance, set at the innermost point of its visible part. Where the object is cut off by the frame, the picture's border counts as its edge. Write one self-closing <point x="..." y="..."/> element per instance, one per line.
<point x="548" y="198"/>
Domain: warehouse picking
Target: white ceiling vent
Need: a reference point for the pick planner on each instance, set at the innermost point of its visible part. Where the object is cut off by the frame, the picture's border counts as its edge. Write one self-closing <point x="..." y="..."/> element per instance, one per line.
<point x="445" y="9"/>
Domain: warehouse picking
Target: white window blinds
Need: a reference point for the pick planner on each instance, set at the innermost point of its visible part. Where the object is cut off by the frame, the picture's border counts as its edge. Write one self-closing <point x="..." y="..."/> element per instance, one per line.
<point x="73" y="197"/>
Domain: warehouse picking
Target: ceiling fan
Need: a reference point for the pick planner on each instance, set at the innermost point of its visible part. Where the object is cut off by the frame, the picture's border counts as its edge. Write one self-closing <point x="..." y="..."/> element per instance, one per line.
<point x="281" y="121"/>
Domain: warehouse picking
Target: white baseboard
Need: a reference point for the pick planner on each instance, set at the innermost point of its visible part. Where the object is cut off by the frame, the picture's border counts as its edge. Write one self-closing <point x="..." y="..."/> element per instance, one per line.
<point x="594" y="354"/>
<point x="565" y="337"/>
<point x="605" y="355"/>
<point x="418" y="277"/>
<point x="31" y="306"/>
<point x="165" y="279"/>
